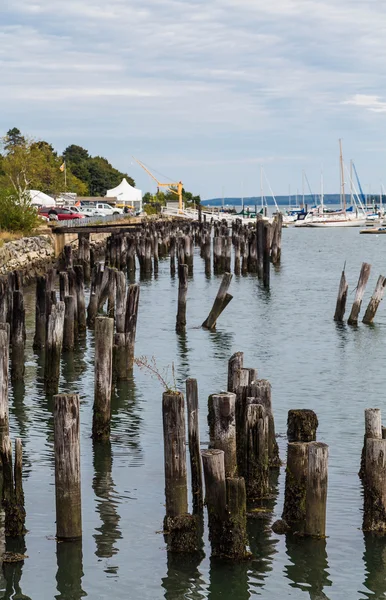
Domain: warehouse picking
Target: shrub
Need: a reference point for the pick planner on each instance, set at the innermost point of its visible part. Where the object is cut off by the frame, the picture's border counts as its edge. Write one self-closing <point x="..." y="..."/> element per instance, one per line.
<point x="16" y="213"/>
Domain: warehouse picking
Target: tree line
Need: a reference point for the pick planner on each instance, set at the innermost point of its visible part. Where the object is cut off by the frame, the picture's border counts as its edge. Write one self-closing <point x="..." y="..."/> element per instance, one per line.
<point x="27" y="164"/>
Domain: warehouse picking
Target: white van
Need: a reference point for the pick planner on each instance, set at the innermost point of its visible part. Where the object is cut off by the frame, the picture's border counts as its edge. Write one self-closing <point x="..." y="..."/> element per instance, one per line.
<point x="106" y="209"/>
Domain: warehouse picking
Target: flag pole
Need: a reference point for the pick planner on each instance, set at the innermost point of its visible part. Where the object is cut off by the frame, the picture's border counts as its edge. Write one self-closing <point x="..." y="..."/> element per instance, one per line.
<point x="65" y="176"/>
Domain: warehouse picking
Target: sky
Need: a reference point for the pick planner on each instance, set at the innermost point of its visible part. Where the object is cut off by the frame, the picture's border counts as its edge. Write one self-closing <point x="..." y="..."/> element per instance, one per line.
<point x="203" y="91"/>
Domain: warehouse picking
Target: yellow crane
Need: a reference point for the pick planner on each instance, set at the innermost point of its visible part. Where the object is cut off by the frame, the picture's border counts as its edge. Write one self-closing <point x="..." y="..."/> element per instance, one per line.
<point x="171" y="186"/>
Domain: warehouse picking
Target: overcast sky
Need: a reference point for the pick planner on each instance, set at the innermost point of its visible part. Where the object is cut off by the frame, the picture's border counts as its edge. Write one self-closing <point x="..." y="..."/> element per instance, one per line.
<point x="203" y="91"/>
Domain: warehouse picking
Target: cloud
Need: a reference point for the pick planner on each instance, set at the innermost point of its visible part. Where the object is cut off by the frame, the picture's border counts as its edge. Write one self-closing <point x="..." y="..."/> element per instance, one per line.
<point x="193" y="82"/>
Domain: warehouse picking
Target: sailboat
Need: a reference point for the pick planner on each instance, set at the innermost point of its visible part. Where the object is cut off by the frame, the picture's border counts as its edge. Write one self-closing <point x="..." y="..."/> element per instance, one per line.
<point x="353" y="216"/>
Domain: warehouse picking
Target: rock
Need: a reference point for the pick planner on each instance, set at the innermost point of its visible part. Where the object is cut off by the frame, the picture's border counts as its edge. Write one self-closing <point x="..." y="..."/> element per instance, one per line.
<point x="280" y="527"/>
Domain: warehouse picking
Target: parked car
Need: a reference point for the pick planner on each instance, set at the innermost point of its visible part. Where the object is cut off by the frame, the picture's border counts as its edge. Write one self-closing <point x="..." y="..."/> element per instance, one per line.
<point x="60" y="214"/>
<point x="105" y="209"/>
<point x="89" y="211"/>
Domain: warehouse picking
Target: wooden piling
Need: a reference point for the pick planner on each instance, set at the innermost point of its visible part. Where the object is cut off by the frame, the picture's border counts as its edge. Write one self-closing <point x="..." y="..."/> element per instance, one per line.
<point x="18" y="336"/>
<point x="181" y="528"/>
<point x="222" y="428"/>
<point x="262" y="392"/>
<point x="236" y="540"/>
<point x="84" y="254"/>
<point x="316" y="493"/>
<point x="374" y="513"/>
<point x="120" y="302"/>
<point x="302" y="425"/>
<point x="215" y="497"/>
<point x="104" y="332"/>
<point x="132" y="304"/>
<point x="257" y="463"/>
<point x="221" y="302"/>
<point x="80" y="298"/>
<point x="13" y="497"/>
<point x="374" y="430"/>
<point x="341" y="300"/>
<point x="266" y="254"/>
<point x="68" y="328"/>
<point x="362" y="282"/>
<point x="54" y="342"/>
<point x="235" y="364"/>
<point x="194" y="444"/>
<point x="40" y="314"/>
<point x="294" y="511"/>
<point x="4" y="359"/>
<point x="375" y="301"/>
<point x="182" y="295"/>
<point x="67" y="467"/>
<point x="67" y="257"/>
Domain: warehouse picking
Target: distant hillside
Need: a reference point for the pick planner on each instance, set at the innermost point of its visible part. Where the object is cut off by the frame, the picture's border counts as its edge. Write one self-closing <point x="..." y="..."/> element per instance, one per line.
<point x="281" y="200"/>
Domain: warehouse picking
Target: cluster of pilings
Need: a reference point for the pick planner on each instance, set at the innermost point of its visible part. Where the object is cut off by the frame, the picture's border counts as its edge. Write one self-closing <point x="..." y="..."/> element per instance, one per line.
<point x="373" y="472"/>
<point x="373" y="305"/>
<point x="242" y="450"/>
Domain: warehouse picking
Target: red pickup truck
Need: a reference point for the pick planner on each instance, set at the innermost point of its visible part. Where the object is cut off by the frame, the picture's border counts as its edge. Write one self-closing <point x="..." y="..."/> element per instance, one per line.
<point x="60" y="214"/>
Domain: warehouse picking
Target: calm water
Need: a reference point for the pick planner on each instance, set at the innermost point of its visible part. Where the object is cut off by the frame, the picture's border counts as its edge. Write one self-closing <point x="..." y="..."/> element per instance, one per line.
<point x="289" y="335"/>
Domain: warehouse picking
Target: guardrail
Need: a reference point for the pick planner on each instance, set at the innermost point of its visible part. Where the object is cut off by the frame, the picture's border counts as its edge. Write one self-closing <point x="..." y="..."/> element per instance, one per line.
<point x="89" y="221"/>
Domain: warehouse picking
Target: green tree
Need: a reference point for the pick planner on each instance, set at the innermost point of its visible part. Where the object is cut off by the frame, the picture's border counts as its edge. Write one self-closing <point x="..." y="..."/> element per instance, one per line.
<point x="16" y="212"/>
<point x="13" y="138"/>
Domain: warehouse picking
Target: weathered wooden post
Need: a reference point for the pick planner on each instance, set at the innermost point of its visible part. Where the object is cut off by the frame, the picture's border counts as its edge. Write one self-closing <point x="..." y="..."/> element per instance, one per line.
<point x="236" y="245"/>
<point x="235" y="364"/>
<point x="84" y="254"/>
<point x="362" y="282"/>
<point x="294" y="512"/>
<point x="104" y="333"/>
<point x="67" y="257"/>
<point x="194" y="444"/>
<point x="276" y="239"/>
<point x="257" y="463"/>
<point x="40" y="314"/>
<point x="316" y="493"/>
<point x="18" y="336"/>
<point x="120" y="302"/>
<point x="236" y="529"/>
<point x="80" y="299"/>
<point x="302" y="425"/>
<point x="68" y="328"/>
<point x="67" y="467"/>
<point x="54" y="342"/>
<point x="221" y="302"/>
<point x="13" y="496"/>
<point x="132" y="304"/>
<point x="222" y="428"/>
<point x="181" y="527"/>
<point x="215" y="497"/>
<point x="373" y="429"/>
<point x="262" y="392"/>
<point x="4" y="359"/>
<point x="375" y="301"/>
<point x="172" y="251"/>
<point x="374" y="513"/>
<point x="342" y="298"/>
<point x="182" y="294"/>
<point x="266" y="254"/>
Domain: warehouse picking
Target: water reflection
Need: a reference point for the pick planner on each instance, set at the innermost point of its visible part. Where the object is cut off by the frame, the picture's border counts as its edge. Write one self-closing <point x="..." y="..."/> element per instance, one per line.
<point x="308" y="570"/>
<point x="69" y="575"/>
<point x="374" y="558"/>
<point x="228" y="580"/>
<point x="183" y="579"/>
<point x="183" y="353"/>
<point x="12" y="572"/>
<point x="126" y="420"/>
<point x="103" y="485"/>
<point x="223" y="343"/>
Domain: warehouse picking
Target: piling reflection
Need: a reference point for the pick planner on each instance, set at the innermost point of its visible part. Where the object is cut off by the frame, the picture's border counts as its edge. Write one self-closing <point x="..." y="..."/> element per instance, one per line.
<point x="308" y="570"/>
<point x="12" y="571"/>
<point x="229" y="576"/>
<point x="183" y="579"/>
<point x="374" y="558"/>
<point x="183" y="363"/>
<point x="103" y="485"/>
<point x="69" y="575"/>
<point x="126" y="420"/>
<point x="223" y="343"/>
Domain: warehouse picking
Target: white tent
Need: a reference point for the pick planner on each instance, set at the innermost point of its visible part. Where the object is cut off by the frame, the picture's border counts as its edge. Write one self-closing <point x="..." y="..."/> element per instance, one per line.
<point x="41" y="199"/>
<point x="126" y="194"/>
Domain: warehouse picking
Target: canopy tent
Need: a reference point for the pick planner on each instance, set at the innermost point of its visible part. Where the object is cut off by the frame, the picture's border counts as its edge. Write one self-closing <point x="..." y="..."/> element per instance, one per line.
<point x="41" y="199"/>
<point x="126" y="194"/>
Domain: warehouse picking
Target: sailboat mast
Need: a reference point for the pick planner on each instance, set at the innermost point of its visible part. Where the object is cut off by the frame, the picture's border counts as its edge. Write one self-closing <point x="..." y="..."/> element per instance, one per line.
<point x="351" y="184"/>
<point x="321" y="190"/>
<point x="242" y="196"/>
<point x="342" y="175"/>
<point x="303" y="187"/>
<point x="289" y="196"/>
<point x="261" y="185"/>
